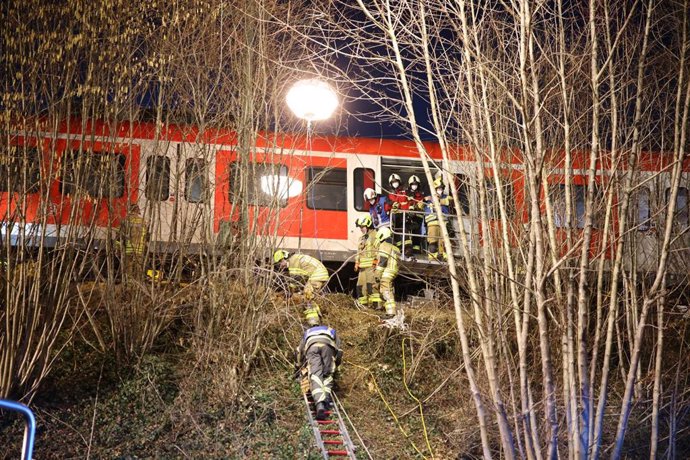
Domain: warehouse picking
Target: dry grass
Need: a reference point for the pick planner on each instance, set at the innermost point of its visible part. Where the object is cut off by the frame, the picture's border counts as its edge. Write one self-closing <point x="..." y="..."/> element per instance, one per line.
<point x="219" y="385"/>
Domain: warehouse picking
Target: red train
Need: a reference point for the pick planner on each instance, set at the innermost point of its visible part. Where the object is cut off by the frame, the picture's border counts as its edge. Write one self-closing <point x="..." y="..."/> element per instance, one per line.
<point x="56" y="183"/>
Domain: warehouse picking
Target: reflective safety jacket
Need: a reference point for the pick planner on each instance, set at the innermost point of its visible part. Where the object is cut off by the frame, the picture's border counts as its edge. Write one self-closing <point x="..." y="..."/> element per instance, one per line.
<point x="323" y="335"/>
<point x="380" y="212"/>
<point x="430" y="213"/>
<point x="134" y="234"/>
<point x="366" y="252"/>
<point x="399" y="196"/>
<point x="389" y="257"/>
<point x="306" y="267"/>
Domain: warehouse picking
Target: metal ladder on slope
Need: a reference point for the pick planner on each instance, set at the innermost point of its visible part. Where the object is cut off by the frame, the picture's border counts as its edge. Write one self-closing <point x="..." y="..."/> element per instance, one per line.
<point x="331" y="434"/>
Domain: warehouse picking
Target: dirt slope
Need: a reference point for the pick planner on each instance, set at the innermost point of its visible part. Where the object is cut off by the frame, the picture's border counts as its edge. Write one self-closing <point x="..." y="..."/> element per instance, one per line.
<point x="90" y="407"/>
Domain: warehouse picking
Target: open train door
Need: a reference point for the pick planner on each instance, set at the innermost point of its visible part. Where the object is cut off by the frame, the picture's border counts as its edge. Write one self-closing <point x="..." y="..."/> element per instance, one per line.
<point x="363" y="171"/>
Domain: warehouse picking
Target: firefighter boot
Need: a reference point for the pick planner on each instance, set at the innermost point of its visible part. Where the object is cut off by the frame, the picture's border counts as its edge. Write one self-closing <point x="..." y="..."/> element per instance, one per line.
<point x="390" y="309"/>
<point x="375" y="300"/>
<point x="321" y="411"/>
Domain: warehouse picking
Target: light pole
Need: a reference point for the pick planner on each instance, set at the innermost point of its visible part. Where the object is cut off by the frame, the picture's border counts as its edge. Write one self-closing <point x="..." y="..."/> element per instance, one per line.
<point x="311" y="100"/>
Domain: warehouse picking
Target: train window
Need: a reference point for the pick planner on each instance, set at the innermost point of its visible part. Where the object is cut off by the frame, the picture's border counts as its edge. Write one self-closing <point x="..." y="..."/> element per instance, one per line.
<point x="405" y="169"/>
<point x="493" y="209"/>
<point x="99" y="174"/>
<point x="682" y="213"/>
<point x="559" y="205"/>
<point x="325" y="189"/>
<point x="580" y="192"/>
<point x="20" y="170"/>
<point x="106" y="177"/>
<point x="157" y="178"/>
<point x="579" y="197"/>
<point x="363" y="178"/>
<point x="463" y="184"/>
<point x="196" y="180"/>
<point x="70" y="172"/>
<point x="644" y="215"/>
<point x="262" y="184"/>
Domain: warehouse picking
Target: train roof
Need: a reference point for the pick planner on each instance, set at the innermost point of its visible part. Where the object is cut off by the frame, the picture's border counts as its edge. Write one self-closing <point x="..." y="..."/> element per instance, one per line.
<point x="648" y="161"/>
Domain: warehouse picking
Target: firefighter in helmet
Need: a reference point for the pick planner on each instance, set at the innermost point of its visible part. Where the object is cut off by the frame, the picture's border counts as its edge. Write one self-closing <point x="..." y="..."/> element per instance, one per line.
<point x="308" y="271"/>
<point x="319" y="354"/>
<point x="387" y="269"/>
<point x="414" y="221"/>
<point x="436" y="247"/>
<point x="133" y="240"/>
<point x="399" y="203"/>
<point x="365" y="264"/>
<point x="379" y="208"/>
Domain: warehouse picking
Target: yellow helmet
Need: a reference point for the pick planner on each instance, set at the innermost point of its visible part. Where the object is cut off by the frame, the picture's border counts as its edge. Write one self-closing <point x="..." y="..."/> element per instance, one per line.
<point x="279" y="255"/>
<point x="438" y="182"/>
<point x="364" y="221"/>
<point x="383" y="234"/>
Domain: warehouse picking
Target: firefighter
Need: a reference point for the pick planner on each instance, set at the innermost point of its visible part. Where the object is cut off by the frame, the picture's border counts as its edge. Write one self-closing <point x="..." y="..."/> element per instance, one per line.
<point x="133" y="240"/>
<point x="399" y="203"/>
<point x="379" y="208"/>
<point x="319" y="354"/>
<point x="365" y="264"/>
<point x="414" y="221"/>
<point x="387" y="269"/>
<point x="436" y="247"/>
<point x="309" y="271"/>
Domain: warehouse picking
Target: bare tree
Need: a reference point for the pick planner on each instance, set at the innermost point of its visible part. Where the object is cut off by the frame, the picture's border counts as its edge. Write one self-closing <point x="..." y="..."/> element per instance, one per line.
<point x="561" y="104"/>
<point x="76" y="80"/>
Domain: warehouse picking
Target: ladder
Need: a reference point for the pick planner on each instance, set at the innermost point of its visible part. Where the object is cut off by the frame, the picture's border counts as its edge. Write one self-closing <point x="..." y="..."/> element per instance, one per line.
<point x="331" y="434"/>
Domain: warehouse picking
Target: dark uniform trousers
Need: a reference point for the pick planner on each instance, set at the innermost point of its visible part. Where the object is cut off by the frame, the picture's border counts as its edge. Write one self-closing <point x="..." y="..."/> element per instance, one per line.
<point x="321" y="367"/>
<point x="321" y="354"/>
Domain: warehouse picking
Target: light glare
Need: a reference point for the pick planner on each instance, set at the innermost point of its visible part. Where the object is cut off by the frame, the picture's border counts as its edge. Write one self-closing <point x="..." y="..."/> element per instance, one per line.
<point x="312" y="99"/>
<point x="282" y="187"/>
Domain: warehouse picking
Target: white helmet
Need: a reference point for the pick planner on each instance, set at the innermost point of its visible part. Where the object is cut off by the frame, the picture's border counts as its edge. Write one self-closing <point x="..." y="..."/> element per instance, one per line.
<point x="413" y="180"/>
<point x="369" y="194"/>
<point x="392" y="178"/>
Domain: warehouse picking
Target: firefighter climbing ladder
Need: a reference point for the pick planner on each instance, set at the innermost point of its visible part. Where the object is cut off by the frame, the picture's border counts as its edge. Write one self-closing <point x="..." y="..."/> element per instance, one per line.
<point x="331" y="434"/>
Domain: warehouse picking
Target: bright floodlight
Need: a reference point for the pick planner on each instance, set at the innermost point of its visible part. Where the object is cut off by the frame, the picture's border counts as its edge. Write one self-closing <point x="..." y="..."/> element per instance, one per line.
<point x="312" y="99"/>
<point x="282" y="187"/>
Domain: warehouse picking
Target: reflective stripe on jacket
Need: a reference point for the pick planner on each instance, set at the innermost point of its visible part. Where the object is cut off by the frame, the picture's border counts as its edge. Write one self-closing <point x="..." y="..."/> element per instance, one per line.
<point x="319" y="335"/>
<point x="304" y="266"/>
<point x="430" y="214"/>
<point x="389" y="256"/>
<point x="366" y="252"/>
<point x="135" y="235"/>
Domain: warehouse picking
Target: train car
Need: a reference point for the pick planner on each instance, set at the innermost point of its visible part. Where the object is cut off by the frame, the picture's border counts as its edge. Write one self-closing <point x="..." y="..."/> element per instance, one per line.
<point x="77" y="181"/>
